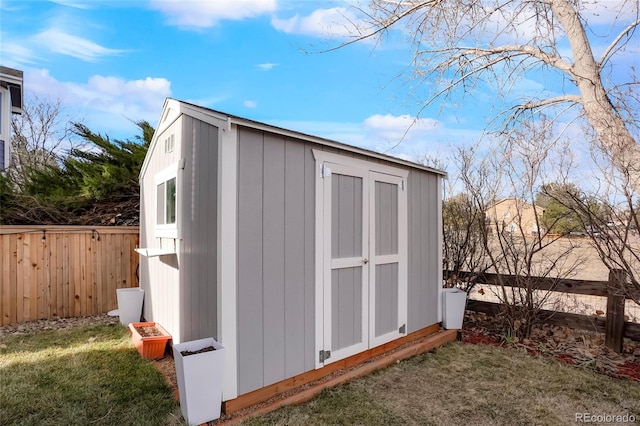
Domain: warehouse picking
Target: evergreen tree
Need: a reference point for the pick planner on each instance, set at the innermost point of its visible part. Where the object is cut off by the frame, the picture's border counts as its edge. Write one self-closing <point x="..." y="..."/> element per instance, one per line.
<point x="96" y="185"/>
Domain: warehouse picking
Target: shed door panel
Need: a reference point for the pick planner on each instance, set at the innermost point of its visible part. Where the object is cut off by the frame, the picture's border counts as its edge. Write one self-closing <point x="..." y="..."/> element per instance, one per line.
<point x="346" y="276"/>
<point x="388" y="240"/>
<point x="364" y="284"/>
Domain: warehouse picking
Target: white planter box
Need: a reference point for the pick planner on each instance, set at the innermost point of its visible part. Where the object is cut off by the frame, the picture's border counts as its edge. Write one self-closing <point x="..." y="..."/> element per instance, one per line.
<point x="454" y="302"/>
<point x="130" y="304"/>
<point x="200" y="380"/>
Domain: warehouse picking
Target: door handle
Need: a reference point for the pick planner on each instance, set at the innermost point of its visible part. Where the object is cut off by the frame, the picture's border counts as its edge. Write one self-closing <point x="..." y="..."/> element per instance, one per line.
<point x="365" y="261"/>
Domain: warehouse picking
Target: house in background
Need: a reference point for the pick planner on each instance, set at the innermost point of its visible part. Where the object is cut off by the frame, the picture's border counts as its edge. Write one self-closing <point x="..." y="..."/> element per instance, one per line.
<point x="293" y="251"/>
<point x="10" y="103"/>
<point x="515" y="216"/>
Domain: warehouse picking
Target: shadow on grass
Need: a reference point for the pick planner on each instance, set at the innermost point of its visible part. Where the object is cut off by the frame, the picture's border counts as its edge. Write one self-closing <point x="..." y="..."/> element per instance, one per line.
<point x="87" y="376"/>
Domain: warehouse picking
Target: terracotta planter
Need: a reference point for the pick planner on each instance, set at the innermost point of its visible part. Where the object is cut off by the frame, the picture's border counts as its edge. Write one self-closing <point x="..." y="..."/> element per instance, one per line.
<point x="149" y="339"/>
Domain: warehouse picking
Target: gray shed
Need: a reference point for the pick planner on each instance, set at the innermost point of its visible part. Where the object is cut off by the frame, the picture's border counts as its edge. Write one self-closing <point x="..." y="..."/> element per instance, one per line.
<point x="291" y="250"/>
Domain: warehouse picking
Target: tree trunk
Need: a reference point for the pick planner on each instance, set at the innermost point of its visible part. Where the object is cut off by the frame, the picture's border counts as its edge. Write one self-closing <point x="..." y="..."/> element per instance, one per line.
<point x="613" y="135"/>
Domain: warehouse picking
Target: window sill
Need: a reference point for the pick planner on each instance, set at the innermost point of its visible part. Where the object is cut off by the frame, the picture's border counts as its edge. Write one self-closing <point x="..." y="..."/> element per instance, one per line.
<point x="155" y="252"/>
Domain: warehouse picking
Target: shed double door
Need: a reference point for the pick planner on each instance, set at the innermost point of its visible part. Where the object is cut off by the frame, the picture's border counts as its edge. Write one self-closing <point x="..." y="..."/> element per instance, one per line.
<point x="364" y="260"/>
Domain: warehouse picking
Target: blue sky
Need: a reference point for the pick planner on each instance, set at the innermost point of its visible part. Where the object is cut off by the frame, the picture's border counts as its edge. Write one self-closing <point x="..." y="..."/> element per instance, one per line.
<point x="110" y="62"/>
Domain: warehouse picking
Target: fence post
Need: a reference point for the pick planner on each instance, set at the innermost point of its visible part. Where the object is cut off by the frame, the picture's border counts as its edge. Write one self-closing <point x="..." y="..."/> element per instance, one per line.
<point x="614" y="325"/>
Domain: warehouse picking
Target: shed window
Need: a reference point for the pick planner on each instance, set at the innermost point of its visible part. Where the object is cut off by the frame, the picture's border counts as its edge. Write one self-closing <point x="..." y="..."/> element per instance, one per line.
<point x="167" y="203"/>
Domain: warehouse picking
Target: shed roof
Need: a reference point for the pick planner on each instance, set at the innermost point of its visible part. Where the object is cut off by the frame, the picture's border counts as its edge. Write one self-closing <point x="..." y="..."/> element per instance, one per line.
<point x="189" y="109"/>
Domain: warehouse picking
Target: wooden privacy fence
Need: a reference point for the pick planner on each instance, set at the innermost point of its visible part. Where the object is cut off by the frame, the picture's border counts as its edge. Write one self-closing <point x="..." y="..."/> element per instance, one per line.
<point x="64" y="271"/>
<point x="613" y="325"/>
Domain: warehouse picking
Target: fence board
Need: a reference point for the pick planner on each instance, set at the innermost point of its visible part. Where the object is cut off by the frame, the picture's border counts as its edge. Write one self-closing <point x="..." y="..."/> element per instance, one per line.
<point x="13" y="284"/>
<point x="62" y="271"/>
<point x="586" y="287"/>
<point x="66" y="268"/>
<point x="59" y="275"/>
<point x="52" y="273"/>
<point x="20" y="280"/>
<point x="4" y="276"/>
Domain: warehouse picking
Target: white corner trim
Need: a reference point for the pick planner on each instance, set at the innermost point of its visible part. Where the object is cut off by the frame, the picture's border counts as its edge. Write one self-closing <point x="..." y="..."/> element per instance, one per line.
<point x="319" y="265"/>
<point x="227" y="253"/>
<point x="440" y="242"/>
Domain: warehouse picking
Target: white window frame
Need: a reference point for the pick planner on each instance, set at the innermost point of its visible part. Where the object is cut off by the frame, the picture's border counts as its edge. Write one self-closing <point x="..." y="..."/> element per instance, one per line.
<point x="5" y="125"/>
<point x="169" y="230"/>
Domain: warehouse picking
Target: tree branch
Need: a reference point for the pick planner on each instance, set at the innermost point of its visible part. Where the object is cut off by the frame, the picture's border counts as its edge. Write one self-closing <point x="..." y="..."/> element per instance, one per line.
<point x="609" y="50"/>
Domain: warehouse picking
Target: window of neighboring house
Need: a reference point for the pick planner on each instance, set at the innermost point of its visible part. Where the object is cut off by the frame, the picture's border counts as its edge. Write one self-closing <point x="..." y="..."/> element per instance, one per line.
<point x="512" y="227"/>
<point x="167" y="203"/>
<point x="506" y="214"/>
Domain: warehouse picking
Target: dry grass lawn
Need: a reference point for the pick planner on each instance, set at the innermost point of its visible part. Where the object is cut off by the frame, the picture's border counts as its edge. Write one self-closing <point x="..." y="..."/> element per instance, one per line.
<point x="465" y="384"/>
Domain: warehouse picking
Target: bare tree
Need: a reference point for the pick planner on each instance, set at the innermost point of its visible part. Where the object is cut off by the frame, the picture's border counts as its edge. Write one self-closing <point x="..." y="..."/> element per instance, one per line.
<point x="459" y="44"/>
<point x="519" y="248"/>
<point x="610" y="215"/>
<point x="42" y="136"/>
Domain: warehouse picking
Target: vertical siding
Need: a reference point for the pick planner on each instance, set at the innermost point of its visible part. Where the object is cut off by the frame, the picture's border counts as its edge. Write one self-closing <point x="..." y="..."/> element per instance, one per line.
<point x="294" y="259"/>
<point x="250" y="247"/>
<point x="198" y="224"/>
<point x="423" y="250"/>
<point x="159" y="276"/>
<point x="182" y="292"/>
<point x="309" y="261"/>
<point x="275" y="258"/>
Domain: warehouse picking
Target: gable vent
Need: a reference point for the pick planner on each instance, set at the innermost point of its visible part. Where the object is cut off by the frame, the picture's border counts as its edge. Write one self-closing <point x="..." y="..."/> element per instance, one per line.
<point x="169" y="144"/>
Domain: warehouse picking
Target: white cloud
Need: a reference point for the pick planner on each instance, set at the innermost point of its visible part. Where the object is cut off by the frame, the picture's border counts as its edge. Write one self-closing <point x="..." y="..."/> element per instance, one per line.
<point x="63" y="43"/>
<point x="72" y="3"/>
<point x="107" y="103"/>
<point x="14" y="54"/>
<point x="334" y="22"/>
<point x="267" y="66"/>
<point x="207" y="13"/>
<point x="250" y="104"/>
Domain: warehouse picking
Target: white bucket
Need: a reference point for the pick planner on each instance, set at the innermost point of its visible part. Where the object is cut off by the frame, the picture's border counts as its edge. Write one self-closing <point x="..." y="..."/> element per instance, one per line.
<point x="130" y="304"/>
<point x="454" y="301"/>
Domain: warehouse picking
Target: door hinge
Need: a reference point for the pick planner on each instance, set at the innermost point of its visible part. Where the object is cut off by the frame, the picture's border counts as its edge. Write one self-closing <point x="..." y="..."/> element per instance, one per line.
<point x="402" y="184"/>
<point x="403" y="329"/>
<point x="324" y="355"/>
<point x="325" y="171"/>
